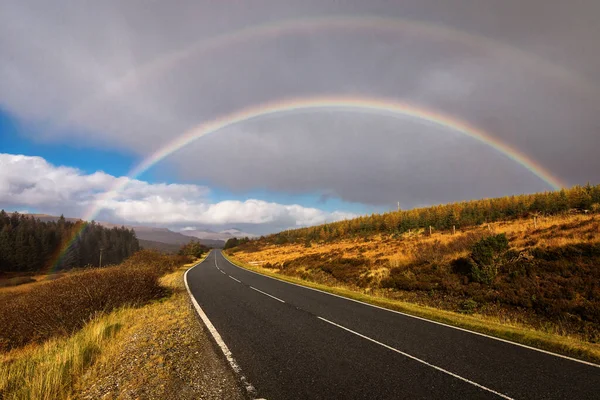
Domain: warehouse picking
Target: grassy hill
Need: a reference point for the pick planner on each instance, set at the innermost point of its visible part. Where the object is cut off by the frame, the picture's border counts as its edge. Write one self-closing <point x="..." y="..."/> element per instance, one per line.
<point x="529" y="261"/>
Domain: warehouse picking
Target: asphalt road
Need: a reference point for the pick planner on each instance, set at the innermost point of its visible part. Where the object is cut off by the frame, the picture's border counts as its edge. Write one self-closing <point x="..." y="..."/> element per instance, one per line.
<point x="296" y="343"/>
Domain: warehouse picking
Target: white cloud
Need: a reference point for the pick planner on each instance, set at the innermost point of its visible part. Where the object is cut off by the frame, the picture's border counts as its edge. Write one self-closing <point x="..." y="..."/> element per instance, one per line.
<point x="33" y="182"/>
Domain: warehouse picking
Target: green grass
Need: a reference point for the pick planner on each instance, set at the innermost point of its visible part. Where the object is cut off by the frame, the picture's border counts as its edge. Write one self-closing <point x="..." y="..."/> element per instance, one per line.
<point x="565" y="345"/>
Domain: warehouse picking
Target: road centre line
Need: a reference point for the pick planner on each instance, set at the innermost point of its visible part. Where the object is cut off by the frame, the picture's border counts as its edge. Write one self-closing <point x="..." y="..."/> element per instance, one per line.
<point x="267" y="294"/>
<point x="418" y="359"/>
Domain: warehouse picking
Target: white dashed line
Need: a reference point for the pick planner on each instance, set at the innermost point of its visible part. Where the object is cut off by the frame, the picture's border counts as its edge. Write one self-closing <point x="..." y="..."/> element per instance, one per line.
<point x="267" y="294"/>
<point x="237" y="280"/>
<point x="223" y="272"/>
<point x="418" y="359"/>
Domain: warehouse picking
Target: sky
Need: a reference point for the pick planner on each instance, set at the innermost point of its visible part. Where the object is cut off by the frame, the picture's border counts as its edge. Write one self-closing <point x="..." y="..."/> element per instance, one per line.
<point x="269" y="115"/>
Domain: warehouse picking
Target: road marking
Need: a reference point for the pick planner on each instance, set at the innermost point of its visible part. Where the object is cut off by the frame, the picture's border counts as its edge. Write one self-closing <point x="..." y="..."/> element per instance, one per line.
<point x="215" y="334"/>
<point x="237" y="280"/>
<point x="223" y="272"/>
<point x="266" y="294"/>
<point x="424" y="319"/>
<point x="418" y="359"/>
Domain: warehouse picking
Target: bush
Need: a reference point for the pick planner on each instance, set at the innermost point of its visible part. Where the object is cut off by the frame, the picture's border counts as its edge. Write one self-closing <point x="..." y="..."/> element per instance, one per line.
<point x="489" y="250"/>
<point x="468" y="306"/>
<point x="486" y="256"/>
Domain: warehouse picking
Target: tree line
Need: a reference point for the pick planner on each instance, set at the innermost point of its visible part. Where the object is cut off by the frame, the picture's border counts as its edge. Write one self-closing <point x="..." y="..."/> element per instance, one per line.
<point x="28" y="244"/>
<point x="445" y="217"/>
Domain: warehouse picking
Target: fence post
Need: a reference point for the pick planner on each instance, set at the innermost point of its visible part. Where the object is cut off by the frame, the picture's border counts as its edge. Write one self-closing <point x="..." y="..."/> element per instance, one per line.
<point x="454" y="229"/>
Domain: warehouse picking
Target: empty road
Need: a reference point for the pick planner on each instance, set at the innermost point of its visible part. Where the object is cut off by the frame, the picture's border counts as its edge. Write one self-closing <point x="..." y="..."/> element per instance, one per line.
<point x="292" y="342"/>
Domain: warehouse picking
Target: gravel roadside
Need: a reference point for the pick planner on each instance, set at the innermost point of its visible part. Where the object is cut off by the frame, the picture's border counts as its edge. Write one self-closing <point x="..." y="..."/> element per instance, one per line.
<point x="165" y="354"/>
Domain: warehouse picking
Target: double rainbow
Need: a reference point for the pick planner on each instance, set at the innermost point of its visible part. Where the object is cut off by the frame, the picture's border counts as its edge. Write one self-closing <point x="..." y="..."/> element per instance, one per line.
<point x="335" y="103"/>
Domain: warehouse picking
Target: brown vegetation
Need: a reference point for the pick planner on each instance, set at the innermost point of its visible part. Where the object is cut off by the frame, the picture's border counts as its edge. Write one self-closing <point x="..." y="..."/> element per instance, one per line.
<point x="62" y="306"/>
<point x="158" y="350"/>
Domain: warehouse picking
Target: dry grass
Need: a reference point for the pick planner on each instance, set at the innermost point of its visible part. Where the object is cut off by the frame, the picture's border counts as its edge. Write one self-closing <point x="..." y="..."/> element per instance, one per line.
<point x="72" y="366"/>
<point x="548" y="281"/>
<point x="62" y="306"/>
<point x="48" y="371"/>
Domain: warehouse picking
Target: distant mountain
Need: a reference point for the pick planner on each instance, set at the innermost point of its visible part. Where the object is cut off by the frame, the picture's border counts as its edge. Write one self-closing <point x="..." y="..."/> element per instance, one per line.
<point x="164" y="235"/>
<point x="206" y="234"/>
<point x="148" y="233"/>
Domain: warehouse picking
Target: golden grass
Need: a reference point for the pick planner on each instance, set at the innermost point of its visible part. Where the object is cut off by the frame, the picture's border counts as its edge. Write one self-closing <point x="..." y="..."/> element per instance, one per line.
<point x="575" y="229"/>
<point x="48" y="371"/>
<point x="52" y="369"/>
<point x="490" y="325"/>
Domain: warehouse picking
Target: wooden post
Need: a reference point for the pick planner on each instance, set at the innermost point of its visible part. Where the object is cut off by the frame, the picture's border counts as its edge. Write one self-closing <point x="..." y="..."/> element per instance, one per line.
<point x="489" y="227"/>
<point x="454" y="229"/>
<point x="429" y="230"/>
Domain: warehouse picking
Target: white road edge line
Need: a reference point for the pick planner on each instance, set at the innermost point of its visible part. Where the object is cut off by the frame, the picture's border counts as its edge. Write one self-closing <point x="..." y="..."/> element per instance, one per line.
<point x="217" y="337"/>
<point x="266" y="294"/>
<point x="418" y="359"/>
<point x="425" y="319"/>
<point x="237" y="280"/>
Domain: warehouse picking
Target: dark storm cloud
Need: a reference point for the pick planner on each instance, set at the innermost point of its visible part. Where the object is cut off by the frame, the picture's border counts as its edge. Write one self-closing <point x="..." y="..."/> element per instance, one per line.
<point x="529" y="74"/>
<point x="371" y="160"/>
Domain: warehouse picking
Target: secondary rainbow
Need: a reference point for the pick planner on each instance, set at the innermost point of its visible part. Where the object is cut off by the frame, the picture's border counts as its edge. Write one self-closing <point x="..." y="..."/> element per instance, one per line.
<point x="388" y="107"/>
<point x="161" y="65"/>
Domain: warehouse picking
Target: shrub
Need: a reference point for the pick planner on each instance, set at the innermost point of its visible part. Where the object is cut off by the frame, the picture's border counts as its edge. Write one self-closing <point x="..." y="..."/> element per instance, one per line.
<point x="486" y="256"/>
<point x="468" y="306"/>
<point x="489" y="250"/>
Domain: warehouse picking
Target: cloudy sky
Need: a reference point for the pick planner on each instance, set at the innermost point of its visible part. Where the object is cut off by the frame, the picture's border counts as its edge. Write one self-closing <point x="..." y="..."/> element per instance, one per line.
<point x="90" y="90"/>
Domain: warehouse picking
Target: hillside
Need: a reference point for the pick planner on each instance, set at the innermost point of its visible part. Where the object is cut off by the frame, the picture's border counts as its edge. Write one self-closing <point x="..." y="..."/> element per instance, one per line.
<point x="165" y="248"/>
<point x="532" y="260"/>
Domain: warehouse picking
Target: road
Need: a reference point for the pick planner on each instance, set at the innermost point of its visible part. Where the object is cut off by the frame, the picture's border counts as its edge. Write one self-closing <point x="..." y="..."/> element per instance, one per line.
<point x="292" y="342"/>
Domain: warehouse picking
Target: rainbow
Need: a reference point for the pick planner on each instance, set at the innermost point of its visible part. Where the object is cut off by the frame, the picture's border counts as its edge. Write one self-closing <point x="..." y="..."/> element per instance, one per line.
<point x="136" y="77"/>
<point x="387" y="107"/>
<point x="361" y="104"/>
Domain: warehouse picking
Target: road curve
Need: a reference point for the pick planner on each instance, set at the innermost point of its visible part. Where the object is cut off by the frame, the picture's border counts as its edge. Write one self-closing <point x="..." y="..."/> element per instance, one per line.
<point x="292" y="342"/>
